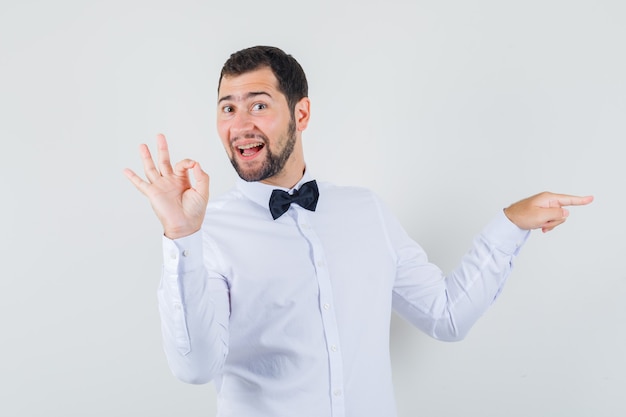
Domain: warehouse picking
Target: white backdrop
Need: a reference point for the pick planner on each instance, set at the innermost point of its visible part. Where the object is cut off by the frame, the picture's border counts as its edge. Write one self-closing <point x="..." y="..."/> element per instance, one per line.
<point x="450" y="110"/>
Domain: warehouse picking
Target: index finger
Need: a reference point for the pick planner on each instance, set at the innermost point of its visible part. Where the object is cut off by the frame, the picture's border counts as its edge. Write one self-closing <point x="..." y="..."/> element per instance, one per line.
<point x="572" y="200"/>
<point x="165" y="166"/>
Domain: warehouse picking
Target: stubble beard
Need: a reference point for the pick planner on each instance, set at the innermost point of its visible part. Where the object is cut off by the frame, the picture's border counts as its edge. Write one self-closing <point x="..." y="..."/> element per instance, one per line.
<point x="273" y="163"/>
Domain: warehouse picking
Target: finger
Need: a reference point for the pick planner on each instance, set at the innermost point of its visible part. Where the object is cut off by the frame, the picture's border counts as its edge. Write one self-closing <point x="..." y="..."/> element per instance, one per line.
<point x="544" y="218"/>
<point x="165" y="166"/>
<point x="202" y="181"/>
<point x="136" y="180"/>
<point x="148" y="164"/>
<point x="572" y="200"/>
<point x="551" y="225"/>
<point x="560" y="212"/>
<point x="181" y="167"/>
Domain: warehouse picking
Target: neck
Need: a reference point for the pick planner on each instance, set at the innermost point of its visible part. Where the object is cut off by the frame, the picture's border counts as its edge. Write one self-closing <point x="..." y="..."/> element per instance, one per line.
<point x="287" y="178"/>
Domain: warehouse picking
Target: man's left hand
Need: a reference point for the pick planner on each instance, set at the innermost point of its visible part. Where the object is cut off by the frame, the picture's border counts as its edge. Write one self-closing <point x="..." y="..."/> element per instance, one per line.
<point x="544" y="210"/>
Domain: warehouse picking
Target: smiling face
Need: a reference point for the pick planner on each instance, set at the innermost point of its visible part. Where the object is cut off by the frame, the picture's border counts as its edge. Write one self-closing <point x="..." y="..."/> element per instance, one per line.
<point x="262" y="137"/>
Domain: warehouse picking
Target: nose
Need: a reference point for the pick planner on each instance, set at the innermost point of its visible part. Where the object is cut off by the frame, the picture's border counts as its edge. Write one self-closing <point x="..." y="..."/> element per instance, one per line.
<point x="241" y="124"/>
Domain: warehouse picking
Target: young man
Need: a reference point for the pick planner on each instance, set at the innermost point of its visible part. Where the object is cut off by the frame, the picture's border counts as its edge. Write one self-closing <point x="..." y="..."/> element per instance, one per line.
<point x="284" y="304"/>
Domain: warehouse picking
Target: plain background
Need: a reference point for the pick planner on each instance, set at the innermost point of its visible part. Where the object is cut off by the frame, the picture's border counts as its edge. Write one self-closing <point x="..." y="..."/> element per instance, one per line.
<point x="449" y="110"/>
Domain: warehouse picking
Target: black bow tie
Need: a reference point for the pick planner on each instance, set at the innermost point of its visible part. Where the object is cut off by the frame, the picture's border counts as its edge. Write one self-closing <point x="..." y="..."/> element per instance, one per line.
<point x="306" y="197"/>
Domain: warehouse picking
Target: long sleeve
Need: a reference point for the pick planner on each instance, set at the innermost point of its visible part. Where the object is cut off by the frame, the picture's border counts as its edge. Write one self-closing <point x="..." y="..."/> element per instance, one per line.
<point x="446" y="307"/>
<point x="291" y="316"/>
<point x="194" y="309"/>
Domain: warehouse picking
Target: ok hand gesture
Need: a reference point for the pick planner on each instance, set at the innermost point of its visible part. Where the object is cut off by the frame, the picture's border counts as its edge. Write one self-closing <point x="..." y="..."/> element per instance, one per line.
<point x="179" y="206"/>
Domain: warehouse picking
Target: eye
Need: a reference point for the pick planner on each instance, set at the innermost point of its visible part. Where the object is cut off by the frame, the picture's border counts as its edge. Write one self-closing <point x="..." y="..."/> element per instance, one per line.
<point x="227" y="109"/>
<point x="259" y="106"/>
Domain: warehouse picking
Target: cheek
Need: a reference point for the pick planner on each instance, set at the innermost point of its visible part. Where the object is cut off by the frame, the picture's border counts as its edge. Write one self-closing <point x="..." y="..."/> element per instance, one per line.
<point x="275" y="127"/>
<point x="222" y="132"/>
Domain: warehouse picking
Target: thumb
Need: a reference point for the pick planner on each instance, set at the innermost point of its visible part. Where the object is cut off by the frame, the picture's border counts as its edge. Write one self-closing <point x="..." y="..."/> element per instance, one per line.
<point x="202" y="181"/>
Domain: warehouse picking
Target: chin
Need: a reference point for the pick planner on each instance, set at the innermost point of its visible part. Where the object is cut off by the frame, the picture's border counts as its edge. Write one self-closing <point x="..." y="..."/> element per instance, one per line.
<point x="250" y="175"/>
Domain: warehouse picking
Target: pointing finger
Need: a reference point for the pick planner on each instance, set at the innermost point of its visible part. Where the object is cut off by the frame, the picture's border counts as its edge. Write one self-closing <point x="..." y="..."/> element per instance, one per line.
<point x="571" y="200"/>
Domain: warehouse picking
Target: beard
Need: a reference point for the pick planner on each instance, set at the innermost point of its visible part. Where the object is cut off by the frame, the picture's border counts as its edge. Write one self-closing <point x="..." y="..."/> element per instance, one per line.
<point x="274" y="162"/>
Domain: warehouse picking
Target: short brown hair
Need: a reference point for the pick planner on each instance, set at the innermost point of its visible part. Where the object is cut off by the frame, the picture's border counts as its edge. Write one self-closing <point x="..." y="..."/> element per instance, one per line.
<point x="290" y="75"/>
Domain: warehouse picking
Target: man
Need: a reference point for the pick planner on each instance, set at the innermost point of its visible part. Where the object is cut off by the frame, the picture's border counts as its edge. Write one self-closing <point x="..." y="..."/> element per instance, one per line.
<point x="286" y="307"/>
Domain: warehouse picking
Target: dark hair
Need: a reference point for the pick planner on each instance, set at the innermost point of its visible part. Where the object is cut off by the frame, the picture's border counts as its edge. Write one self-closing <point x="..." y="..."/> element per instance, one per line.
<point x="290" y="75"/>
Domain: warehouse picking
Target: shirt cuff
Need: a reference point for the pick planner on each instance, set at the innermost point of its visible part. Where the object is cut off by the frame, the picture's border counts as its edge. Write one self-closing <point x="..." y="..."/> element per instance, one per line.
<point x="184" y="254"/>
<point x="505" y="235"/>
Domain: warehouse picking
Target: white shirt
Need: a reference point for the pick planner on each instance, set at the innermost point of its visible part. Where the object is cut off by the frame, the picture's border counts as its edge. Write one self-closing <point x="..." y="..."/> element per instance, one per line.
<point x="290" y="317"/>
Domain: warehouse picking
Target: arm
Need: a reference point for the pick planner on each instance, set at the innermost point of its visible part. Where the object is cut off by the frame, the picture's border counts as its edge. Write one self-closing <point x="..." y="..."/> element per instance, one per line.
<point x="193" y="302"/>
<point x="446" y="307"/>
<point x="194" y="308"/>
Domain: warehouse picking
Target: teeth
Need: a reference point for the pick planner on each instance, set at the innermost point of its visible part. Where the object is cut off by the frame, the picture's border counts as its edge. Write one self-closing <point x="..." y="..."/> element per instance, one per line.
<point x="249" y="146"/>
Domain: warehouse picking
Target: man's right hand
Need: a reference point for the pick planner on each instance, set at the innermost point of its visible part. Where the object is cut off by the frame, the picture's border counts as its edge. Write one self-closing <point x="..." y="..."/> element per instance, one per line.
<point x="179" y="206"/>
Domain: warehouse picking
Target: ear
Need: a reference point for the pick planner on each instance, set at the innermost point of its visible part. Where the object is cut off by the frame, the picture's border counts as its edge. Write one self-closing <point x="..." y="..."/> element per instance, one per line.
<point x="302" y="113"/>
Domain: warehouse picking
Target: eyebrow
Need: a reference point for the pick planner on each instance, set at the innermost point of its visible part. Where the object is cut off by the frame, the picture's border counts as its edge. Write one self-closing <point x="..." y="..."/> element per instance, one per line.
<point x="246" y="96"/>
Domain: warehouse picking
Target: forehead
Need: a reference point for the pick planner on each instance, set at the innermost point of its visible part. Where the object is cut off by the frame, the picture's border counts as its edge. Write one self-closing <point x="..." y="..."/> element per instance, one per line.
<point x="238" y="87"/>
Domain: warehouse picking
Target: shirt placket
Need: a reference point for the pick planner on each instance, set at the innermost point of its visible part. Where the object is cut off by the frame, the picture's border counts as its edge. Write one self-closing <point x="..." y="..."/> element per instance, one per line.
<point x="327" y="311"/>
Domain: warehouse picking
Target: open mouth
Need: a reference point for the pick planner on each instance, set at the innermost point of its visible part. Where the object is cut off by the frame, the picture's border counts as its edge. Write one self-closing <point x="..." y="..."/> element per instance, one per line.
<point x="250" y="149"/>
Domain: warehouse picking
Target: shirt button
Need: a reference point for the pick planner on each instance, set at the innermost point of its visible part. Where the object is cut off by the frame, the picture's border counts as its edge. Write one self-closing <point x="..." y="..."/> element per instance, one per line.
<point x="337" y="392"/>
<point x="177" y="307"/>
<point x="173" y="255"/>
<point x="333" y="348"/>
<point x="320" y="264"/>
<point x="326" y="306"/>
<point x="185" y="253"/>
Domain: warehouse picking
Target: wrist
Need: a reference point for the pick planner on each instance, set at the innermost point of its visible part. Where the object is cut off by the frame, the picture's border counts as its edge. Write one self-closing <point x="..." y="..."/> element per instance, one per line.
<point x="174" y="234"/>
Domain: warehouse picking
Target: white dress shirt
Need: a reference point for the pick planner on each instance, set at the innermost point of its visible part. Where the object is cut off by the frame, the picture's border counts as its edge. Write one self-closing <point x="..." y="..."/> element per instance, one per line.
<point x="291" y="317"/>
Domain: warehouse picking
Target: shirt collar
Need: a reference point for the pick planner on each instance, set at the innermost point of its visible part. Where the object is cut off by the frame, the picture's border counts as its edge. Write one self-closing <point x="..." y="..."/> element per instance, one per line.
<point x="260" y="193"/>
